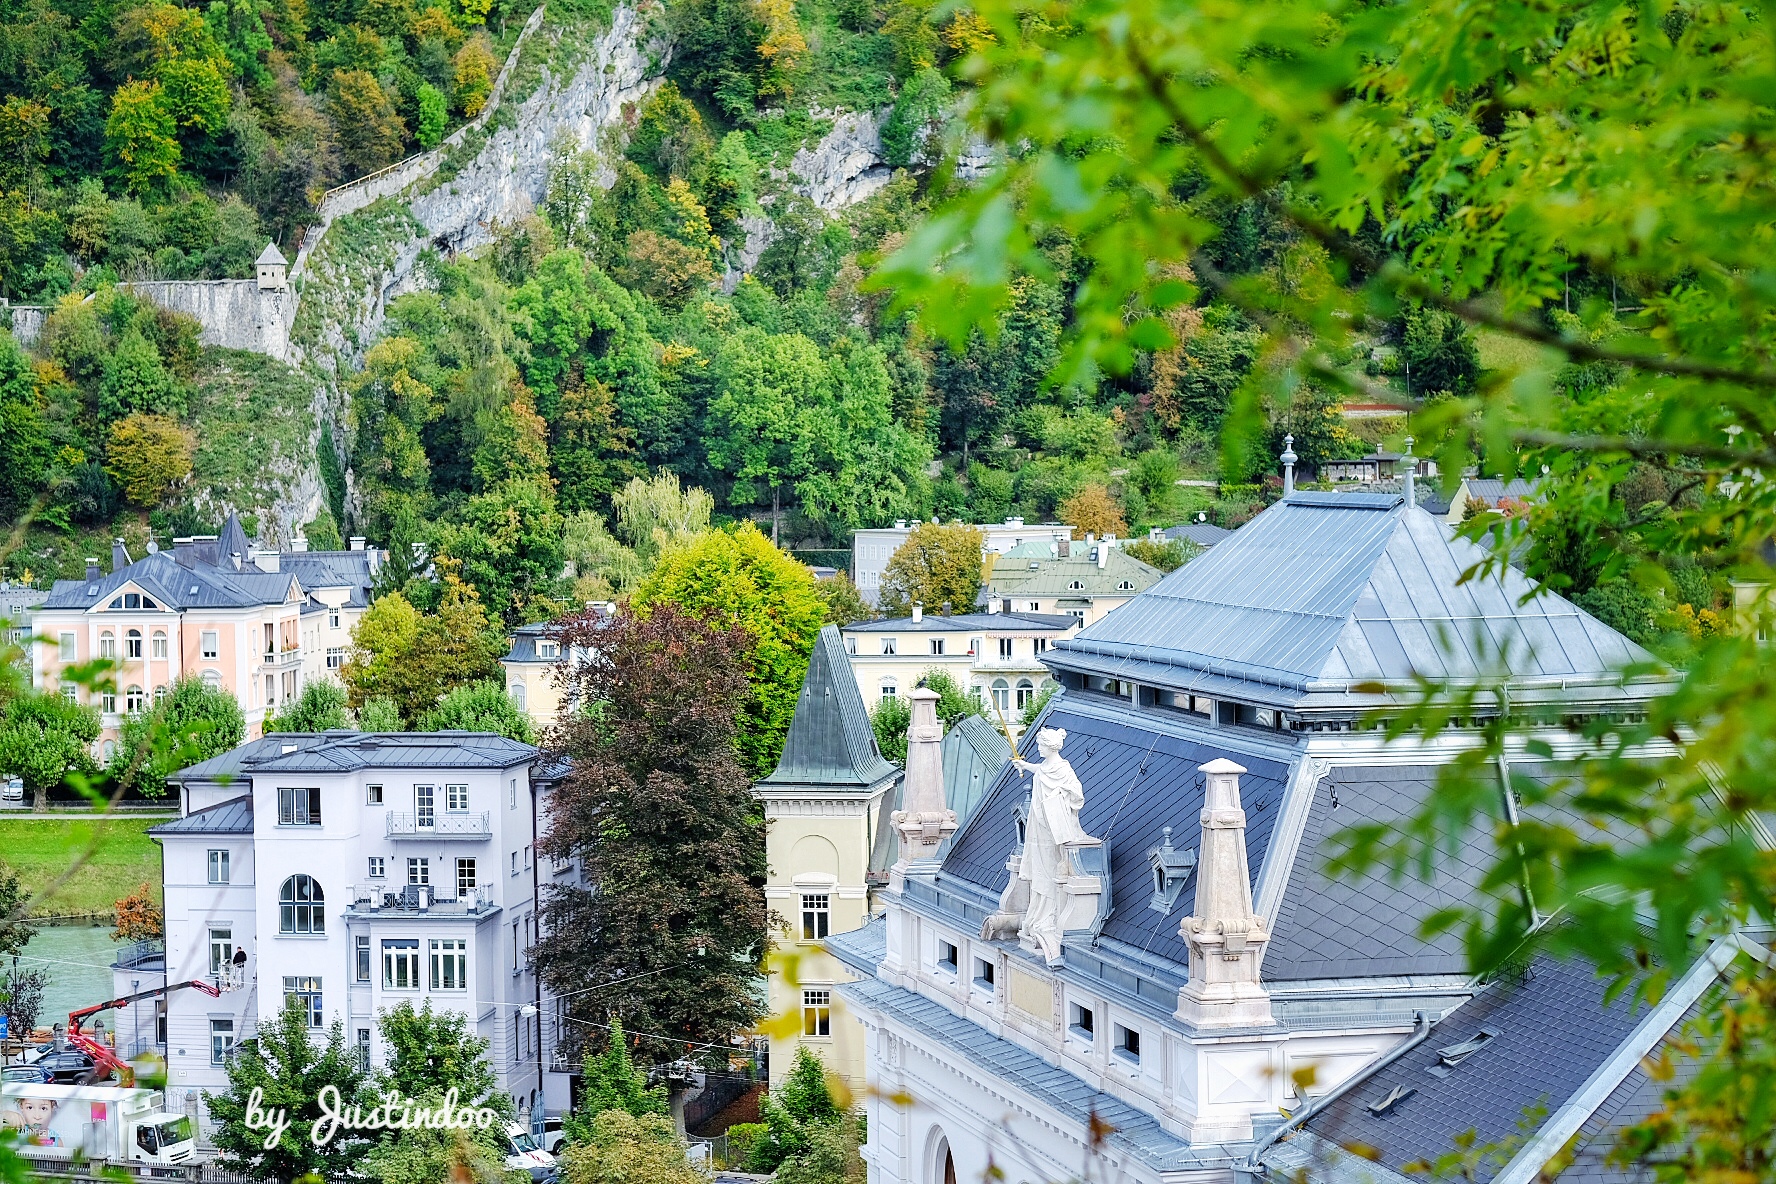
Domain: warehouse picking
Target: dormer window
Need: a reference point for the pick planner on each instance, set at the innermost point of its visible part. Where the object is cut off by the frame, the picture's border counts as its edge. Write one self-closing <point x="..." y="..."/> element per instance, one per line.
<point x="548" y="650"/>
<point x="1076" y="586"/>
<point x="1126" y="586"/>
<point x="1171" y="869"/>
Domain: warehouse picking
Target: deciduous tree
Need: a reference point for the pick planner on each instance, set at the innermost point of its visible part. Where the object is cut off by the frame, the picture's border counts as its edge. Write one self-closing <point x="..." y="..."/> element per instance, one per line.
<point x="478" y="707"/>
<point x="321" y="706"/>
<point x="192" y="722"/>
<point x="937" y="565"/>
<point x="1091" y="510"/>
<point x="44" y="738"/>
<point x="148" y="456"/>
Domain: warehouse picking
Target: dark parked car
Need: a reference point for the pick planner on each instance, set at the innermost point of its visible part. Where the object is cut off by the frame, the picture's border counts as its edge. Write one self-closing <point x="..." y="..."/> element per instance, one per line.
<point x="67" y="1067"/>
<point x="34" y="1074"/>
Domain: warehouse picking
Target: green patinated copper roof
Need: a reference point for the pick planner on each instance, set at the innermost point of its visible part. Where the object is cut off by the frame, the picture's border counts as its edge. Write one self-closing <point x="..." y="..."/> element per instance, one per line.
<point x="1031" y="571"/>
<point x="830" y="741"/>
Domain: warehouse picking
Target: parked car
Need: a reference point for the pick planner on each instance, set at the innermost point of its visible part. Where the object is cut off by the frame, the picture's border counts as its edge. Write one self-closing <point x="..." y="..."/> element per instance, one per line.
<point x="553" y="1136"/>
<point x="12" y="790"/>
<point x="68" y="1067"/>
<point x="34" y="1074"/>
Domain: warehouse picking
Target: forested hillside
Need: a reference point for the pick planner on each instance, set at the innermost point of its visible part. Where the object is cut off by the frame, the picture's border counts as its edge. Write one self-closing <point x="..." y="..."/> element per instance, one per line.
<point x="676" y="302"/>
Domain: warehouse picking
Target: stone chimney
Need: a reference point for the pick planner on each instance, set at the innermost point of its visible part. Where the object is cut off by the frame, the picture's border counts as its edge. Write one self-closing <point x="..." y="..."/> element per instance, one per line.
<point x="92" y="568"/>
<point x="995" y="603"/>
<point x="925" y="820"/>
<point x="358" y="542"/>
<point x="1225" y="937"/>
<point x="119" y="556"/>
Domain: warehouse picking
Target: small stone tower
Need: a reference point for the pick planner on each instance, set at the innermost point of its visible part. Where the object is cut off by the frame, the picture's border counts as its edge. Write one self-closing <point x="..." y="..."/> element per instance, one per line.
<point x="271" y="267"/>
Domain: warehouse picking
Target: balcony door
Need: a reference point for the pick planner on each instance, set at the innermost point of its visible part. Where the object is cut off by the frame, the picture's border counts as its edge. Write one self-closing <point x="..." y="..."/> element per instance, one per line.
<point x="424" y="807"/>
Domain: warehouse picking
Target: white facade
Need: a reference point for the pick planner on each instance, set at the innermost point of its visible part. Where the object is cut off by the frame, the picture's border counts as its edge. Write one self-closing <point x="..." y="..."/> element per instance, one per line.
<point x="357" y="872"/>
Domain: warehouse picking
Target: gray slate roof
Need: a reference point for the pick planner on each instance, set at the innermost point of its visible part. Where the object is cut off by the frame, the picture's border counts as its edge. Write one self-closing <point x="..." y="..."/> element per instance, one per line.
<point x="974" y="754"/>
<point x="1137" y="781"/>
<point x="342" y="751"/>
<point x="830" y="742"/>
<point x="231" y="765"/>
<point x="233" y="817"/>
<point x="1322" y="592"/>
<point x="524" y="642"/>
<point x="175" y="586"/>
<point x="1492" y="490"/>
<point x="957" y="622"/>
<point x="332" y="569"/>
<point x="1133" y="1131"/>
<point x="1553" y="1032"/>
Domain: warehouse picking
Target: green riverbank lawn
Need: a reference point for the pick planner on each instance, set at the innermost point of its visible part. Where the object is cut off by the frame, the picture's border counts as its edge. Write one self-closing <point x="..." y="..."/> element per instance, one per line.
<point x="43" y="848"/>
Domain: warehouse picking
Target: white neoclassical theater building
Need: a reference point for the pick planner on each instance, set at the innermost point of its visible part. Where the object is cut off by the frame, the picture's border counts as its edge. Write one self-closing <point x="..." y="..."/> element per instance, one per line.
<point x="1127" y="960"/>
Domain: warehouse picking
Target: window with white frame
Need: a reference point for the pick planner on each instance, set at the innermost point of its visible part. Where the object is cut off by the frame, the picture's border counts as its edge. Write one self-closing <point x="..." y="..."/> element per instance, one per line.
<point x="132" y="644"/>
<point x="985" y="973"/>
<point x="221" y="1040"/>
<point x="212" y="679"/>
<point x="889" y="645"/>
<point x="107" y="644"/>
<point x="816" y="1012"/>
<point x="221" y="947"/>
<point x="332" y="618"/>
<point x="335" y="657"/>
<point x="850" y="643"/>
<point x="160" y="694"/>
<point x="816" y="915"/>
<point x="364" y="1049"/>
<point x="134" y="700"/>
<point x="1026" y="691"/>
<point x="1128" y="1044"/>
<point x="306" y="988"/>
<point x="66" y="648"/>
<point x="947" y="956"/>
<point x="1005" y="649"/>
<point x="1041" y="644"/>
<point x="419" y="870"/>
<point x="210" y="645"/>
<point x="218" y="865"/>
<point x="518" y="694"/>
<point x="373" y="795"/>
<point x="70" y="692"/>
<point x="548" y="650"/>
<point x="890" y="689"/>
<point x="450" y="964"/>
<point x="299" y="806"/>
<point x="400" y="964"/>
<point x="937" y="647"/>
<point x="1080" y="1021"/>
<point x="1001" y="694"/>
<point x="1035" y="606"/>
<point x="158" y="644"/>
<point x="425" y="806"/>
<point x="378" y="868"/>
<point x="108" y="702"/>
<point x="456" y="798"/>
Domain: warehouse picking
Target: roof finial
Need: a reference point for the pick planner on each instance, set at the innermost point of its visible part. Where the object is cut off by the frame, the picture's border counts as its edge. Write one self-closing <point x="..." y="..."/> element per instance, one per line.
<point x="1411" y="463"/>
<point x="1289" y="458"/>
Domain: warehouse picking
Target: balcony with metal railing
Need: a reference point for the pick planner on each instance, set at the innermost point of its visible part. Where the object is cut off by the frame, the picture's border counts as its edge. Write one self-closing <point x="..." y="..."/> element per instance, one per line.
<point x="403" y="824"/>
<point x="420" y="900"/>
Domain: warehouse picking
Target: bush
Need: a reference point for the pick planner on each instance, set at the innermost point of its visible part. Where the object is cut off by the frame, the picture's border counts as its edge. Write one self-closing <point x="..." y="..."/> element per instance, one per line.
<point x="743" y="1141"/>
<point x="1623" y="607"/>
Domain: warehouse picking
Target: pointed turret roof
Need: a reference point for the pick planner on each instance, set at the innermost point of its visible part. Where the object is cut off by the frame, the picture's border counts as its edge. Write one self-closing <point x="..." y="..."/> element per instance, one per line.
<point x="272" y="255"/>
<point x="831" y="743"/>
<point x="233" y="542"/>
<point x="1324" y="592"/>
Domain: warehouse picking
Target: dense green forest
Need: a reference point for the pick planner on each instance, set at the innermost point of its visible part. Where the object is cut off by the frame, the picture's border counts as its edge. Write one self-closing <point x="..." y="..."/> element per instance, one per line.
<point x="505" y="403"/>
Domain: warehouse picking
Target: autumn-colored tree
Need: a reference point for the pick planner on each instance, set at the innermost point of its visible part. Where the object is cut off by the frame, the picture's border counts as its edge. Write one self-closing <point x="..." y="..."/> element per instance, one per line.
<point x="668" y="270"/>
<point x="741" y="579"/>
<point x="657" y="810"/>
<point x="937" y="565"/>
<point x="138" y="916"/>
<point x="472" y="72"/>
<point x="148" y="455"/>
<point x="1091" y="510"/>
<point x="370" y="132"/>
<point x="624" y="1147"/>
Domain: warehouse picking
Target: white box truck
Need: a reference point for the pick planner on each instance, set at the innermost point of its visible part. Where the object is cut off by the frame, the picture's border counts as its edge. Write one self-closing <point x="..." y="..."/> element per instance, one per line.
<point x="98" y="1122"/>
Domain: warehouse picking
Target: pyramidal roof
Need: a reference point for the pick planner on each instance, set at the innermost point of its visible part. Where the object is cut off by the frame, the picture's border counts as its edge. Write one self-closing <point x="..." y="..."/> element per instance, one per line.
<point x="1322" y="592"/>
<point x="830" y="740"/>
<point x="271" y="255"/>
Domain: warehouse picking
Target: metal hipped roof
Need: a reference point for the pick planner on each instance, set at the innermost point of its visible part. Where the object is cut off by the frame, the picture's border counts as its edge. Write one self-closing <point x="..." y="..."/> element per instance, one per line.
<point x="830" y="742"/>
<point x="233" y="817"/>
<point x="1323" y="591"/>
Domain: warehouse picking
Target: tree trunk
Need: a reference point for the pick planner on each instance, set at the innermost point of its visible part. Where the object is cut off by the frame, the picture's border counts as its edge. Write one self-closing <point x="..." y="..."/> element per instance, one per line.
<point x="776" y="511"/>
<point x="40" y="799"/>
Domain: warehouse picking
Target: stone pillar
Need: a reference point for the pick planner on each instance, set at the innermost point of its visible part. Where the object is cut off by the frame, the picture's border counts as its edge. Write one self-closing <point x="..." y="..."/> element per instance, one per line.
<point x="925" y="820"/>
<point x="1226" y="938"/>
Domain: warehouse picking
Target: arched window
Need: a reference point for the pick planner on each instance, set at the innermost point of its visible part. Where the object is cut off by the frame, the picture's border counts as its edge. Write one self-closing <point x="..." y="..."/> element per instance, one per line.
<point x="301" y="906"/>
<point x="132" y="644"/>
<point x="212" y="678"/>
<point x="108" y="750"/>
<point x="107" y="644"/>
<point x="1001" y="694"/>
<point x="160" y="693"/>
<point x="133" y="700"/>
<point x="1026" y="690"/>
<point x="1126" y="586"/>
<point x="158" y="647"/>
<point x="517" y="692"/>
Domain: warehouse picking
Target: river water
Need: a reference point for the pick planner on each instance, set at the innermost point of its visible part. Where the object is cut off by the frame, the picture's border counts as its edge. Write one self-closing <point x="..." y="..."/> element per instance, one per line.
<point x="78" y="958"/>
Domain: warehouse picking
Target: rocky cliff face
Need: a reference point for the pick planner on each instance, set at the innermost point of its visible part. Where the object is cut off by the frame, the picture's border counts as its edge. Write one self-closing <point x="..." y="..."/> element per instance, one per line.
<point x="847" y="165"/>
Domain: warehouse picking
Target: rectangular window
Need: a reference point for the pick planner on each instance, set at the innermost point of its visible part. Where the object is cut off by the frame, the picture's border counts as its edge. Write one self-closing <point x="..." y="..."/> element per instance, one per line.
<point x="851" y="644"/>
<point x="517" y="951"/>
<point x="1004" y="649"/>
<point x="888" y="645"/>
<point x="218" y="867"/>
<point x="306" y="989"/>
<point x="1128" y="1044"/>
<point x="332" y="618"/>
<point x="363" y="957"/>
<point x="364" y="1049"/>
<point x="377" y="868"/>
<point x="108" y="700"/>
<point x="159" y="649"/>
<point x="456" y="798"/>
<point x="465" y="878"/>
<point x="419" y="870"/>
<point x="937" y="647"/>
<point x="335" y="657"/>
<point x="527" y="857"/>
<point x="221" y="948"/>
<point x="1080" y="1021"/>
<point x="65" y="645"/>
<point x="946" y="956"/>
<point x="816" y="915"/>
<point x="985" y="972"/>
<point x="221" y="1040"/>
<point x="1041" y="644"/>
<point x="514" y="863"/>
<point x="424" y="806"/>
<point x="299" y="807"/>
<point x="548" y="650"/>
<point x="817" y="1013"/>
<point x="270" y="640"/>
<point x="1035" y="606"/>
<point x="400" y="964"/>
<point x="450" y="964"/>
<point x="373" y="795"/>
